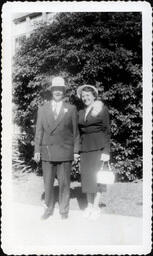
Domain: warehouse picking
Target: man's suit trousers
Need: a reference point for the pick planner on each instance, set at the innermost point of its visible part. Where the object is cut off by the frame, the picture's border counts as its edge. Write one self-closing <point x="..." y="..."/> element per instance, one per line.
<point x="62" y="169"/>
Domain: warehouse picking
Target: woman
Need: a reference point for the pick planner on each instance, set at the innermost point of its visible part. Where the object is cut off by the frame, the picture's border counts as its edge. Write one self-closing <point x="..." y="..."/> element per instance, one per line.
<point x="95" y="136"/>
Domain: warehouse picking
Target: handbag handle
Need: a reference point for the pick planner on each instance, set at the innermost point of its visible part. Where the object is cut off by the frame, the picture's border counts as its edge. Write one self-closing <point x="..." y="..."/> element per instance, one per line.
<point x="109" y="167"/>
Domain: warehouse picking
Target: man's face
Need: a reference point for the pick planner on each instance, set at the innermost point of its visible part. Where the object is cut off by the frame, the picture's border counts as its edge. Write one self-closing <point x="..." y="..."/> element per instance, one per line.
<point x="58" y="93"/>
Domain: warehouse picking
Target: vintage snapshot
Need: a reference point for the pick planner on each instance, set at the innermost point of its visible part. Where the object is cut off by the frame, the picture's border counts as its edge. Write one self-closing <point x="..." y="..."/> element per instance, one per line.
<point x="76" y="128"/>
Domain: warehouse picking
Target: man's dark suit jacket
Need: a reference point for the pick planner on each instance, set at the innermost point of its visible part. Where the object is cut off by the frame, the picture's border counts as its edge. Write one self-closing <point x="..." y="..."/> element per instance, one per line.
<point x="57" y="140"/>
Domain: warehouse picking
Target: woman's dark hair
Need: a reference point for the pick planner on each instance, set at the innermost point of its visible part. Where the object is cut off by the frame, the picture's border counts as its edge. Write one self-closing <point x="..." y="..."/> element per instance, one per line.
<point x="89" y="89"/>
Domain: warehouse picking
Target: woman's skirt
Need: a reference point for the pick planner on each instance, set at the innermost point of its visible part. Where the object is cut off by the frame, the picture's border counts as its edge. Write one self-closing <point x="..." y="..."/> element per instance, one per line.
<point x="90" y="164"/>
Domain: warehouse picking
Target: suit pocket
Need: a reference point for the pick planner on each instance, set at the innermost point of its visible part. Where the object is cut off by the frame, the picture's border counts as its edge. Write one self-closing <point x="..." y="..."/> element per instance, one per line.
<point x="45" y="152"/>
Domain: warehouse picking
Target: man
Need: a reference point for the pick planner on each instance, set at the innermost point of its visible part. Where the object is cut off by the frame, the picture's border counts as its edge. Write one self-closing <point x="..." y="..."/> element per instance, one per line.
<point x="56" y="144"/>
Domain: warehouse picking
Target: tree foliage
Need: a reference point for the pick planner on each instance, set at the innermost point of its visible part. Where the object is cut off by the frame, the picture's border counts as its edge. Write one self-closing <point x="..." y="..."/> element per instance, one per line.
<point x="102" y="49"/>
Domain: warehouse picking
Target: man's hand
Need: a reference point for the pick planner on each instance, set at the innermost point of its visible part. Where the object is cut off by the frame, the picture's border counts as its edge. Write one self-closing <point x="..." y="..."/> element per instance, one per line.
<point x="37" y="157"/>
<point x="76" y="156"/>
<point x="105" y="157"/>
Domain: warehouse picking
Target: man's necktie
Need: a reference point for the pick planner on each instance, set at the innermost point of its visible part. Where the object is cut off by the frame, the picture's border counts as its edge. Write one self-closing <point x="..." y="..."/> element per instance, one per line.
<point x="55" y="111"/>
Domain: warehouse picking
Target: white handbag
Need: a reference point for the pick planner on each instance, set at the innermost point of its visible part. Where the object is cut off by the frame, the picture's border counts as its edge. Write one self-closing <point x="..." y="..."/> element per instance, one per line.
<point x="105" y="177"/>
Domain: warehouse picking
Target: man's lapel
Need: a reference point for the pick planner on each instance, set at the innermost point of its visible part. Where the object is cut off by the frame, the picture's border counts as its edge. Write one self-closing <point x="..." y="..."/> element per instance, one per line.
<point x="61" y="114"/>
<point x="52" y="122"/>
<point x="49" y="114"/>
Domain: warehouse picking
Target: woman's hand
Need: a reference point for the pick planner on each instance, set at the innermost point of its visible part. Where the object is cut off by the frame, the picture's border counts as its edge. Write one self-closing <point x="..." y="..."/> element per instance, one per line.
<point x="105" y="157"/>
<point x="76" y="157"/>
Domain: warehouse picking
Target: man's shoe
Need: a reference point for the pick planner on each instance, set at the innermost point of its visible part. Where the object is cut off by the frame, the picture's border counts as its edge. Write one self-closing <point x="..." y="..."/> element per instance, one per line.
<point x="48" y="212"/>
<point x="64" y="216"/>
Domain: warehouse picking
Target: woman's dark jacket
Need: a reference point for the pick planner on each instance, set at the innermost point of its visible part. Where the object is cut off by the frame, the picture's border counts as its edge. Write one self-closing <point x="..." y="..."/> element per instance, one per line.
<point x="94" y="131"/>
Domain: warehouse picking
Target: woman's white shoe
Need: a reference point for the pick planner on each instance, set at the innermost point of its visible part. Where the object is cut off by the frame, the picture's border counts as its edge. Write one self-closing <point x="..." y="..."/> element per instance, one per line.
<point x="95" y="214"/>
<point x="87" y="212"/>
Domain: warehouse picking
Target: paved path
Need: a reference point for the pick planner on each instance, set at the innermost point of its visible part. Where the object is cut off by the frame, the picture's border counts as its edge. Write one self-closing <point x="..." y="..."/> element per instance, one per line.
<point x="28" y="231"/>
<point x="25" y="233"/>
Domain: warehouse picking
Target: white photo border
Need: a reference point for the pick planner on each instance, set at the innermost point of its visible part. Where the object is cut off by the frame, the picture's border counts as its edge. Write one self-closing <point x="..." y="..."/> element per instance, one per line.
<point x="14" y="7"/>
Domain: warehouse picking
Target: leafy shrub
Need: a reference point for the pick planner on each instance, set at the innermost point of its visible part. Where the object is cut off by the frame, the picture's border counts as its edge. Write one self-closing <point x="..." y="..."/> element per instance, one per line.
<point x="103" y="49"/>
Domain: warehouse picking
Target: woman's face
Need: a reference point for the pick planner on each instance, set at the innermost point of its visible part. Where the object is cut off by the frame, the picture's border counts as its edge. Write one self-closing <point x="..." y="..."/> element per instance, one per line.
<point x="87" y="98"/>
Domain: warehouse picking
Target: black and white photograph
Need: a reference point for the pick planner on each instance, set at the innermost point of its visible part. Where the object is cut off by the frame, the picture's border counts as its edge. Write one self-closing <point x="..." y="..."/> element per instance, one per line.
<point x="76" y="128"/>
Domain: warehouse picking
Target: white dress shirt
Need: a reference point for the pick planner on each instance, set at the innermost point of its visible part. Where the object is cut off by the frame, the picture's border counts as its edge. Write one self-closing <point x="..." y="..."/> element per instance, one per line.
<point x="57" y="106"/>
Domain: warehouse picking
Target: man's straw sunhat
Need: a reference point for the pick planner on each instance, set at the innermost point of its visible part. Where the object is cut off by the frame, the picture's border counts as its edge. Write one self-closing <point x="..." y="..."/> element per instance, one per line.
<point x="58" y="82"/>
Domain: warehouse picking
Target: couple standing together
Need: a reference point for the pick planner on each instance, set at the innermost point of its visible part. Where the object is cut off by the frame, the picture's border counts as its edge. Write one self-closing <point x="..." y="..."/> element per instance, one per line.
<point x="61" y="135"/>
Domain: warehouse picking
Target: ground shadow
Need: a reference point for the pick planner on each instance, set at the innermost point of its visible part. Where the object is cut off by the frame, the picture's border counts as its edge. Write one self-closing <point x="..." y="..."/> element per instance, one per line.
<point x="75" y="193"/>
<point x="81" y="197"/>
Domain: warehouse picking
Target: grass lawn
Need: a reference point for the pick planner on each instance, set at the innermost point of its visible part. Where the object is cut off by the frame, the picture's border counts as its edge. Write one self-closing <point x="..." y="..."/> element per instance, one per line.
<point x="120" y="198"/>
<point x="124" y="199"/>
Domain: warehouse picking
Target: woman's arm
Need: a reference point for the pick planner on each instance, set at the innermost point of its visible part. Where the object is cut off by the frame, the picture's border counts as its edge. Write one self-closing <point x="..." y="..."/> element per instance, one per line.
<point x="106" y="122"/>
<point x="75" y="131"/>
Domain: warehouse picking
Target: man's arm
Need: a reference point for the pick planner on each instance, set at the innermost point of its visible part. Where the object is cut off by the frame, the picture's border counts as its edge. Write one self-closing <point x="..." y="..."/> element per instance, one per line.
<point x="38" y="136"/>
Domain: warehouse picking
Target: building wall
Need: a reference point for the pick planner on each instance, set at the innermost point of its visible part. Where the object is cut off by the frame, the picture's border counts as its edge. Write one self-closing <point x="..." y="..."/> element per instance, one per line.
<point x="23" y="24"/>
